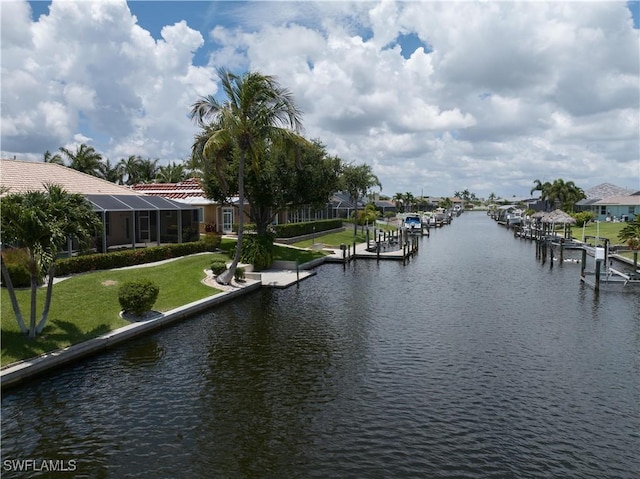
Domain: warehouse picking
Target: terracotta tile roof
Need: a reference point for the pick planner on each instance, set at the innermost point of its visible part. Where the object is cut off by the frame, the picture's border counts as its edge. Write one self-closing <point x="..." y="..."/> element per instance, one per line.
<point x="22" y="176"/>
<point x="186" y="189"/>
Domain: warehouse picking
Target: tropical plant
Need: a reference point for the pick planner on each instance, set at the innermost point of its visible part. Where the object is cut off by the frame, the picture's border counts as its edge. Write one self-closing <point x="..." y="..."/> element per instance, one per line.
<point x="239" y="274"/>
<point x="171" y="173"/>
<point x="130" y="169"/>
<point x="258" y="251"/>
<point x="356" y="181"/>
<point x="51" y="158"/>
<point x="559" y="193"/>
<point x="257" y="112"/>
<point x="43" y="222"/>
<point x="147" y="170"/>
<point x="583" y="217"/>
<point x="398" y="199"/>
<point x="631" y="233"/>
<point x="84" y="159"/>
<point x="112" y="173"/>
<point x="409" y="200"/>
<point x="445" y="203"/>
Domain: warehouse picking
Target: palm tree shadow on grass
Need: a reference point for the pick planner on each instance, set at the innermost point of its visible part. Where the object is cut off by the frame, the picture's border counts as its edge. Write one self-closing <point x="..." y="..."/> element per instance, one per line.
<point x="56" y="334"/>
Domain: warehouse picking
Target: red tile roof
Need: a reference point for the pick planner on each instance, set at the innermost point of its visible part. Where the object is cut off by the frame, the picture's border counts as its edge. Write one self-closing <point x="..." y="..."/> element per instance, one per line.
<point x="185" y="189"/>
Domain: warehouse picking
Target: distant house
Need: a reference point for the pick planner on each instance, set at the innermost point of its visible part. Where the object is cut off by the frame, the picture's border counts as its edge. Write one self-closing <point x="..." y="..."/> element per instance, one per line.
<point x="129" y="218"/>
<point x="609" y="202"/>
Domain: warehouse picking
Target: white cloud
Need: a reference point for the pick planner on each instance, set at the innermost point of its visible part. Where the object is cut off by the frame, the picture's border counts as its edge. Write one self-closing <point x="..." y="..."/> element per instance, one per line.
<point x="506" y="93"/>
<point x="90" y="60"/>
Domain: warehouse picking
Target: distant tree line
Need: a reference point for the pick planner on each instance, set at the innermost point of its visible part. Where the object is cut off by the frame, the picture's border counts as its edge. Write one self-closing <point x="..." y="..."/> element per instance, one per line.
<point x="127" y="171"/>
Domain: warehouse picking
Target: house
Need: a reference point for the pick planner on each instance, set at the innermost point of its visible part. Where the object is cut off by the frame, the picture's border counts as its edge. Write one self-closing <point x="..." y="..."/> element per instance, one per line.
<point x="129" y="218"/>
<point x="617" y="208"/>
<point x="609" y="202"/>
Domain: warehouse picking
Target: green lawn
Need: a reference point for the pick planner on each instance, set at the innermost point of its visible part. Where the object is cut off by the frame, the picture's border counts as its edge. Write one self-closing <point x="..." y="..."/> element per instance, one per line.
<point x="86" y="305"/>
<point x="605" y="230"/>
<point x="334" y="240"/>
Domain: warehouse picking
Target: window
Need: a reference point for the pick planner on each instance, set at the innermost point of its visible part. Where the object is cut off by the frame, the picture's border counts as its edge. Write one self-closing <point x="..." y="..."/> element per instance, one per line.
<point x="198" y="215"/>
<point x="603" y="210"/>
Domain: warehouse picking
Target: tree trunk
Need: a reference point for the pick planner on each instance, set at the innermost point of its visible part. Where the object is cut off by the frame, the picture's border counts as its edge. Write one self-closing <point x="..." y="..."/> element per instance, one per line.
<point x="227" y="276"/>
<point x="47" y="301"/>
<point x="14" y="300"/>
<point x="32" y="317"/>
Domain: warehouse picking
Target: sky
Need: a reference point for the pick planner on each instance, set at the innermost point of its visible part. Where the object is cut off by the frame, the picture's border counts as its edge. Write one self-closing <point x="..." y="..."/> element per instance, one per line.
<point x="437" y="97"/>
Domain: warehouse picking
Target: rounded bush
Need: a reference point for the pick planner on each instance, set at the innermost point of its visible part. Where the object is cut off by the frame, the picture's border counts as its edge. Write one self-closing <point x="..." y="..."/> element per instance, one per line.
<point x="218" y="267"/>
<point x="137" y="297"/>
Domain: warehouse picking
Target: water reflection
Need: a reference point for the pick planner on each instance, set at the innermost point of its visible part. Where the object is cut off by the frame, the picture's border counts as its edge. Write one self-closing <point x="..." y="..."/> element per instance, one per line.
<point x="474" y="360"/>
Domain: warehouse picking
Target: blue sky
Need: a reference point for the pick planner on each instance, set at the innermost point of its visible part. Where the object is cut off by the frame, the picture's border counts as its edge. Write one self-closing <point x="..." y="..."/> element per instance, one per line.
<point x="436" y="96"/>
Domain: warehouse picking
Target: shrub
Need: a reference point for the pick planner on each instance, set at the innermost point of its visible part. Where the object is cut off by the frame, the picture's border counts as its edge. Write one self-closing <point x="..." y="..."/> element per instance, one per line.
<point x="218" y="267"/>
<point x="16" y="260"/>
<point x="258" y="251"/>
<point x="291" y="230"/>
<point x="211" y="241"/>
<point x="239" y="274"/>
<point x="120" y="259"/>
<point x="583" y="217"/>
<point x="138" y="296"/>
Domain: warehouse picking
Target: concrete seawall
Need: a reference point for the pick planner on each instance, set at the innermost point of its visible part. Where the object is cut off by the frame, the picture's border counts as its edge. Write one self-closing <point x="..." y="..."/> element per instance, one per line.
<point x="28" y="368"/>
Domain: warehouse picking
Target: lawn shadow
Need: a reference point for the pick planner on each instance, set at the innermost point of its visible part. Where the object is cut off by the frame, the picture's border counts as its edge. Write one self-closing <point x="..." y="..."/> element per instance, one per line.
<point x="56" y="334"/>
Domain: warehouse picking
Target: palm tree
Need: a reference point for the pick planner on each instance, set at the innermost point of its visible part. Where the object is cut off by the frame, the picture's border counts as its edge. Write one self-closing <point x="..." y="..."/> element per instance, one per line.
<point x="130" y="169"/>
<point x="50" y="158"/>
<point x="85" y="159"/>
<point x="172" y="173"/>
<point x="42" y="222"/>
<point x="357" y="180"/>
<point x="112" y="173"/>
<point x="256" y="111"/>
<point x="398" y="199"/>
<point x="409" y="200"/>
<point x="631" y="233"/>
<point x="565" y="194"/>
<point x="147" y="170"/>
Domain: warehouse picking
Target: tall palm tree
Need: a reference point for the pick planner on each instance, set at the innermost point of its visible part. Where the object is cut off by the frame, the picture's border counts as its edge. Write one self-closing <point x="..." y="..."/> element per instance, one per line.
<point x="148" y="170"/>
<point x="409" y="200"/>
<point x="41" y="222"/>
<point x="85" y="159"/>
<point x="112" y="173"/>
<point x="256" y="111"/>
<point x="564" y="194"/>
<point x="357" y="180"/>
<point x="130" y="168"/>
<point x="398" y="199"/>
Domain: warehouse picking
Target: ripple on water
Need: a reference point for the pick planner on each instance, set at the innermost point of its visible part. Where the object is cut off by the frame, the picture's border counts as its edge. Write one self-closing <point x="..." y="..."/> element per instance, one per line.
<point x="471" y="361"/>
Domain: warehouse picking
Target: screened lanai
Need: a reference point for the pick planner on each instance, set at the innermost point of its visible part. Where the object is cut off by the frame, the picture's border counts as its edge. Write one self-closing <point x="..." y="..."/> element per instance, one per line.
<point x="138" y="220"/>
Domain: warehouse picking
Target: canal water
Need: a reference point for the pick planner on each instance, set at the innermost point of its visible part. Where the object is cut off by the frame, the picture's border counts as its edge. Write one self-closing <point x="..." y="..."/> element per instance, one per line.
<point x="474" y="360"/>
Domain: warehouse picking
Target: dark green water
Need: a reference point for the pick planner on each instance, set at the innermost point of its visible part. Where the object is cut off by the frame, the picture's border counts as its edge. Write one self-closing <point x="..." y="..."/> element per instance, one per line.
<point x="472" y="361"/>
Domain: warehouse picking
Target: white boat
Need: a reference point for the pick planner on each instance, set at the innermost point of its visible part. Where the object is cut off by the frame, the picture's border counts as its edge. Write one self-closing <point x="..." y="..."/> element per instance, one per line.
<point x="412" y="223"/>
<point x="514" y="217"/>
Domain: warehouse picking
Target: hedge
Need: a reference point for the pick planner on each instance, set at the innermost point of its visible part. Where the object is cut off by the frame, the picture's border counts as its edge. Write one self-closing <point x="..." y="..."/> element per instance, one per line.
<point x="120" y="259"/>
<point x="291" y="230"/>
